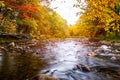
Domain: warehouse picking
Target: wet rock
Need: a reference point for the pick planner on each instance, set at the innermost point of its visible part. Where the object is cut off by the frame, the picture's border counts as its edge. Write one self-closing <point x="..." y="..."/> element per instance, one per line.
<point x="106" y="48"/>
<point x="82" y="68"/>
<point x="45" y="71"/>
<point x="103" y="49"/>
<point x="76" y="44"/>
<point x="52" y="72"/>
<point x="1" y="47"/>
<point x="19" y="47"/>
<point x="92" y="54"/>
<point x="0" y="54"/>
<point x="117" y="51"/>
<point x="43" y="77"/>
<point x="113" y="58"/>
<point x="12" y="44"/>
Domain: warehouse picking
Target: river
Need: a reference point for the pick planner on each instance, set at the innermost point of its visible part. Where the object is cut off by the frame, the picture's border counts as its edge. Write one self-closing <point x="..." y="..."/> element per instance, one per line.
<point x="69" y="60"/>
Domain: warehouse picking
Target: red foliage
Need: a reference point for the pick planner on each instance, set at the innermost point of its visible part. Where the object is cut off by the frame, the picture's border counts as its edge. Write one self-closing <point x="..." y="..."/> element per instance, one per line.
<point x="26" y="10"/>
<point x="26" y="7"/>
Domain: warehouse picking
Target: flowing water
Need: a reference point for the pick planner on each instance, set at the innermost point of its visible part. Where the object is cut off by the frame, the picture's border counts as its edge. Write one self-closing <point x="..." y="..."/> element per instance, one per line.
<point x="69" y="60"/>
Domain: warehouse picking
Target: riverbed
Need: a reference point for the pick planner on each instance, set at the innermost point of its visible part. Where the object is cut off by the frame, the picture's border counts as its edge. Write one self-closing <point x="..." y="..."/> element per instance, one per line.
<point x="80" y="59"/>
<point x="68" y="59"/>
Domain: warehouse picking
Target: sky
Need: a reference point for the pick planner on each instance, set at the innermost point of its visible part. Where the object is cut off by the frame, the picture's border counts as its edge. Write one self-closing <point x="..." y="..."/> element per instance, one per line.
<point x="66" y="10"/>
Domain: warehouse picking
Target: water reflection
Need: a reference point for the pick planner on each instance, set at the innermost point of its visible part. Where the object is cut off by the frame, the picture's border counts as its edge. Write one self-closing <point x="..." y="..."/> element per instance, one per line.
<point x="19" y="65"/>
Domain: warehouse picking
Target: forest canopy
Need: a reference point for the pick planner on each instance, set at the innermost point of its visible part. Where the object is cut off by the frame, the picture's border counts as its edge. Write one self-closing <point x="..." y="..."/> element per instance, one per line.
<point x="30" y="17"/>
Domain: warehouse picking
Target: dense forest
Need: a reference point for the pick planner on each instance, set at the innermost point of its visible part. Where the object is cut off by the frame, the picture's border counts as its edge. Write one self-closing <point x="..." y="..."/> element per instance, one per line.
<point x="98" y="19"/>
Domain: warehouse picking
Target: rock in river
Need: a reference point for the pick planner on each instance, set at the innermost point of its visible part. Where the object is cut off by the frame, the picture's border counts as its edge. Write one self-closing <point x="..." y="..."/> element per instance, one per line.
<point x="43" y="77"/>
<point x="92" y="54"/>
<point x="81" y="68"/>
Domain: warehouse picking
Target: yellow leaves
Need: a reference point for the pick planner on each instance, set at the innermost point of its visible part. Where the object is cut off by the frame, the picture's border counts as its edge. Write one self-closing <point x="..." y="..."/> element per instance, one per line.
<point x="110" y="20"/>
<point x="73" y="31"/>
<point x="105" y="2"/>
<point x="112" y="6"/>
<point x="100" y="14"/>
<point x="2" y="4"/>
<point x="9" y="27"/>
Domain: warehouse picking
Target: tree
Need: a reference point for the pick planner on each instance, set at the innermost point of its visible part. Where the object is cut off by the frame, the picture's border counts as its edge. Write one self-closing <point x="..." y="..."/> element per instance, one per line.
<point x="101" y="16"/>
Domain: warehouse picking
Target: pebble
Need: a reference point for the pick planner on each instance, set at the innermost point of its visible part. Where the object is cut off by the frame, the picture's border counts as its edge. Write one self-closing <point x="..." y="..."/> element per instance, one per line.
<point x="82" y="68"/>
<point x="113" y="58"/>
<point x="0" y="54"/>
<point x="92" y="54"/>
<point x="12" y="44"/>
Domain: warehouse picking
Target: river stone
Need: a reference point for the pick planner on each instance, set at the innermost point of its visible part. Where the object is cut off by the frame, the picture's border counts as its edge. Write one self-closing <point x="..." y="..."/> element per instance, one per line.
<point x="103" y="49"/>
<point x="45" y="71"/>
<point x="43" y="77"/>
<point x="92" y="54"/>
<point x="82" y="68"/>
<point x="12" y="44"/>
<point x="113" y="58"/>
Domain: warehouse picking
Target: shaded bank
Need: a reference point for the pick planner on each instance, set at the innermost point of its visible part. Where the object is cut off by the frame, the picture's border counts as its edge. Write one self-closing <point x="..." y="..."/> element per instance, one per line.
<point x="21" y="61"/>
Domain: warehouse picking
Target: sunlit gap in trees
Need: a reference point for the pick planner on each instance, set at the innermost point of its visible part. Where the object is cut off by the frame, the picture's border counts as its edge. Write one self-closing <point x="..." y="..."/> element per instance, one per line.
<point x="66" y="10"/>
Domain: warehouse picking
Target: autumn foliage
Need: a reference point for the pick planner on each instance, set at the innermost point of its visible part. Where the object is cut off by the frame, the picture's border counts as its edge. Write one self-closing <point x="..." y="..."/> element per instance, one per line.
<point x="99" y="19"/>
<point x="32" y="18"/>
<point x="26" y="10"/>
